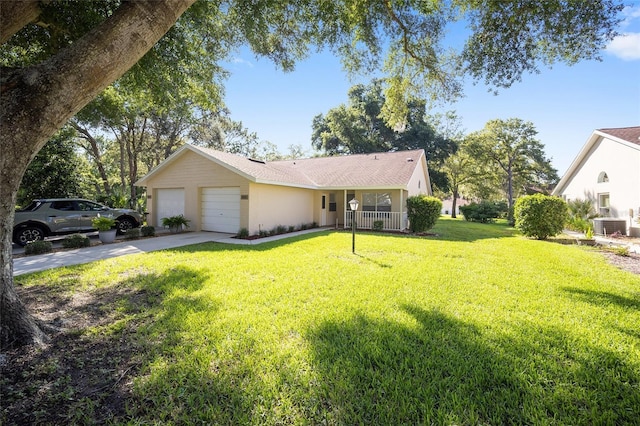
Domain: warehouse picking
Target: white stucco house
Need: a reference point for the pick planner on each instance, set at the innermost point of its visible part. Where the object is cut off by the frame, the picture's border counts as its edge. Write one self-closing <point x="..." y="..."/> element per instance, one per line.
<point x="223" y="192"/>
<point x="607" y="171"/>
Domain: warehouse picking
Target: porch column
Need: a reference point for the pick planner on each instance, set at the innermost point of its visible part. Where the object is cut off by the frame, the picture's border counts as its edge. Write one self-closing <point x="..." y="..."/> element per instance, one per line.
<point x="344" y="210"/>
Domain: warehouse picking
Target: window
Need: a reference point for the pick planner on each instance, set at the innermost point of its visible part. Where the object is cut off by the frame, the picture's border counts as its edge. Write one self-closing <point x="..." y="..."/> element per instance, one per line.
<point x="604" y="204"/>
<point x="602" y="177"/>
<point x="332" y="203"/>
<point x="376" y="202"/>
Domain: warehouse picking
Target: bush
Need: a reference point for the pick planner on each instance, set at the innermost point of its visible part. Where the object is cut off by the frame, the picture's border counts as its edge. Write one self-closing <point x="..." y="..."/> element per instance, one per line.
<point x="38" y="247"/>
<point x="540" y="216"/>
<point x="378" y="225"/>
<point x="76" y="241"/>
<point x="103" y="223"/>
<point x="484" y="212"/>
<point x="243" y="233"/>
<point x="132" y="234"/>
<point x="423" y="212"/>
<point x="175" y="223"/>
<point x="580" y="214"/>
<point x="147" y="231"/>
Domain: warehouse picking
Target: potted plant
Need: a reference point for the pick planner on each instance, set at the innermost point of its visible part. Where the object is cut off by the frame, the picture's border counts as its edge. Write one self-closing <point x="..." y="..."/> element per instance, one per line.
<point x="175" y="223"/>
<point x="106" y="228"/>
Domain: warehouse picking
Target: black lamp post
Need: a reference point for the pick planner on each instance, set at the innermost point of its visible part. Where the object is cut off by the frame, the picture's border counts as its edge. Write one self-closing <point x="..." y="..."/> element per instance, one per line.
<point x="354" y="206"/>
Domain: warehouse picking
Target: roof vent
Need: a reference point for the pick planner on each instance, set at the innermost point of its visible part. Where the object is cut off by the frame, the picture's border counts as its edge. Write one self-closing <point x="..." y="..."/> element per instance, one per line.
<point x="409" y="160"/>
<point x="257" y="161"/>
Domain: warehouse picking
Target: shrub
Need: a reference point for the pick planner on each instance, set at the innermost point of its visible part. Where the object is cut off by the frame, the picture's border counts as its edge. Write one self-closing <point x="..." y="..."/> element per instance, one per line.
<point x="103" y="223"/>
<point x="132" y="234"/>
<point x="281" y="229"/>
<point x="243" y="233"/>
<point x="38" y="247"/>
<point x="484" y="212"/>
<point x="423" y="212"/>
<point x="292" y="228"/>
<point x="76" y="241"/>
<point x="175" y="223"/>
<point x="147" y="231"/>
<point x="580" y="214"/>
<point x="540" y="216"/>
<point x="378" y="225"/>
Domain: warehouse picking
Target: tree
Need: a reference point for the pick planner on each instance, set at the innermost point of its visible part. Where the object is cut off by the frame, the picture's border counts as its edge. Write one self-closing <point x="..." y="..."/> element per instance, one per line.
<point x="56" y="171"/>
<point x="58" y="55"/>
<point x="519" y="159"/>
<point x="359" y="127"/>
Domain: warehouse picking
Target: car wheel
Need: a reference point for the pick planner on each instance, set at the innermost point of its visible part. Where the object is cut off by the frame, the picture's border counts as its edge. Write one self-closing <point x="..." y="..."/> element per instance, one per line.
<point x="28" y="234"/>
<point x="124" y="224"/>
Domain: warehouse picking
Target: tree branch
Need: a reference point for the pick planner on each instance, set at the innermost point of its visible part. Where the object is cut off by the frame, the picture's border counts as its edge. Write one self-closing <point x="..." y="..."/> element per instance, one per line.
<point x="14" y="15"/>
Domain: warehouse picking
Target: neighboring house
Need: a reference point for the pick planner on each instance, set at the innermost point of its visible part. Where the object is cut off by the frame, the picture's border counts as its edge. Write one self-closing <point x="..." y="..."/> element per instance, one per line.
<point x="607" y="171"/>
<point x="223" y="192"/>
<point x="447" y="205"/>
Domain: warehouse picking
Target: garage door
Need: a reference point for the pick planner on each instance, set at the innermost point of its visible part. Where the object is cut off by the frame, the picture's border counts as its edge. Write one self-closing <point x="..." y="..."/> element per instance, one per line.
<point x="221" y="209"/>
<point x="169" y="202"/>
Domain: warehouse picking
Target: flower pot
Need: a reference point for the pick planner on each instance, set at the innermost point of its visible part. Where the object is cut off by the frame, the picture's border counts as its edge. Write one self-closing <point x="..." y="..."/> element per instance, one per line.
<point x="107" y="236"/>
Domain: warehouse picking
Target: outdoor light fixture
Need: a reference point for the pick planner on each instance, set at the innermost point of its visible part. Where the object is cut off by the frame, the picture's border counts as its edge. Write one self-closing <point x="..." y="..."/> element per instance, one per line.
<point x="354" y="206"/>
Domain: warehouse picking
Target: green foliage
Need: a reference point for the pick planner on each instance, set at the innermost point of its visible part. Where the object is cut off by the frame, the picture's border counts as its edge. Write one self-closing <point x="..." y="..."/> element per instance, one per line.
<point x="423" y="212"/>
<point x="588" y="233"/>
<point x="38" y="247"/>
<point x="581" y="212"/>
<point x="103" y="223"/>
<point x="132" y="234"/>
<point x="484" y="211"/>
<point x="540" y="216"/>
<point x="148" y="231"/>
<point x="76" y="241"/>
<point x="515" y="156"/>
<point x="175" y="223"/>
<point x="56" y="172"/>
<point x="358" y="128"/>
<point x="243" y="233"/>
<point x="378" y="225"/>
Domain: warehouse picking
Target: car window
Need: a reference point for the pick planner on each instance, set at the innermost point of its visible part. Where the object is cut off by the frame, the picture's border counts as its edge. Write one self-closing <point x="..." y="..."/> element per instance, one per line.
<point x="31" y="207"/>
<point x="64" y="205"/>
<point x="88" y="206"/>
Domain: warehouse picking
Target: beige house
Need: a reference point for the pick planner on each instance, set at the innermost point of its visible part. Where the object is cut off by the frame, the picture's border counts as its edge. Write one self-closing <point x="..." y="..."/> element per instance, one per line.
<point x="607" y="171"/>
<point x="224" y="192"/>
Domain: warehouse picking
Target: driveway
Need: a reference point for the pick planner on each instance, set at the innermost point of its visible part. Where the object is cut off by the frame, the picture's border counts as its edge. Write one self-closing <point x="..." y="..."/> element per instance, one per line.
<point x="28" y="264"/>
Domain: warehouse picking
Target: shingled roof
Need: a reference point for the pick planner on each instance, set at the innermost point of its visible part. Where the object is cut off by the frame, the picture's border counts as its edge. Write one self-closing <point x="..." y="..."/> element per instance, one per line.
<point x="376" y="170"/>
<point x="629" y="134"/>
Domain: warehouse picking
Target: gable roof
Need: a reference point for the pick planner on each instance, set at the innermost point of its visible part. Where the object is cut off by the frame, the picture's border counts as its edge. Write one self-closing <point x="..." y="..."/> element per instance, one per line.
<point x="376" y="170"/>
<point x="626" y="136"/>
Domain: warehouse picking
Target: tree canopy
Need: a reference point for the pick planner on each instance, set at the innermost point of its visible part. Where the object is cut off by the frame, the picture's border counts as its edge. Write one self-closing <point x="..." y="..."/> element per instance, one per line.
<point x="59" y="55"/>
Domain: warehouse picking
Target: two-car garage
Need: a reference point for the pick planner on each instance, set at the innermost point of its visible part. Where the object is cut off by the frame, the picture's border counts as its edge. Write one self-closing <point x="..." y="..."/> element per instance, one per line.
<point x="219" y="212"/>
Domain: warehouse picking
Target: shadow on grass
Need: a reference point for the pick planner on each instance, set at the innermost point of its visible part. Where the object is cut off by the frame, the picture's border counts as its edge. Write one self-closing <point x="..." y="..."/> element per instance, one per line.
<point x="84" y="375"/>
<point x="603" y="298"/>
<point x="443" y="371"/>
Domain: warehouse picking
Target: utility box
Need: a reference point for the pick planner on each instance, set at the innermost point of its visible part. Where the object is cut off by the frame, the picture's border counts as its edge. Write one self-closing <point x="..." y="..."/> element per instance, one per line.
<point x="608" y="226"/>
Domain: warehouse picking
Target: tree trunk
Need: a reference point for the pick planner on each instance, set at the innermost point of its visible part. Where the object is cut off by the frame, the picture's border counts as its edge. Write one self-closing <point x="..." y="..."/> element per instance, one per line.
<point x="37" y="101"/>
<point x="454" y="202"/>
<point x="95" y="153"/>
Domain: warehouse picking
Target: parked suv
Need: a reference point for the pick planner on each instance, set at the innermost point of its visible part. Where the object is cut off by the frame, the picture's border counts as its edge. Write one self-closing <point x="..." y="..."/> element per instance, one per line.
<point x="57" y="216"/>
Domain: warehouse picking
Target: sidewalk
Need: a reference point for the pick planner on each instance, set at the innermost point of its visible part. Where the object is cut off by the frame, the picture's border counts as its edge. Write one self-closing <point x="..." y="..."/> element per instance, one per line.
<point x="633" y="244"/>
<point x="28" y="264"/>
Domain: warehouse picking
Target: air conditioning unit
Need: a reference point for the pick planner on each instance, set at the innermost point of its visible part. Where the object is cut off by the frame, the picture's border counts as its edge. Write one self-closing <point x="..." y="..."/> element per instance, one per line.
<point x="607" y="226"/>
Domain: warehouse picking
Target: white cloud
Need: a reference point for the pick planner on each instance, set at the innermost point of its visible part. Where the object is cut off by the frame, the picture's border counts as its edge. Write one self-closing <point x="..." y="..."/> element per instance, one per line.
<point x="626" y="46"/>
<point x="241" y="61"/>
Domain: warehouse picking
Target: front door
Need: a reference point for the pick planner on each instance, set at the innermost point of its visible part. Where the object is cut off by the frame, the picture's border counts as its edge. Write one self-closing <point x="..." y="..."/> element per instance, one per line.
<point x="323" y="211"/>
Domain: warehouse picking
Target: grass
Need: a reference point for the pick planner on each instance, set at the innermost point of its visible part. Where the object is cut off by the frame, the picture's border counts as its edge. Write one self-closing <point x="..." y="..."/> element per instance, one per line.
<point x="476" y="326"/>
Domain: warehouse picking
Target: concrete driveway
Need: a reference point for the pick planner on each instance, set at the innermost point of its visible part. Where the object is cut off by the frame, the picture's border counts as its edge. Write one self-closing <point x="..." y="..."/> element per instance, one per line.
<point x="28" y="264"/>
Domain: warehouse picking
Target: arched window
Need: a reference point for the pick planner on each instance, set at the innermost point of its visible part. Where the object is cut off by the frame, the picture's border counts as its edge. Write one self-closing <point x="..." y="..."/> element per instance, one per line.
<point x="602" y="177"/>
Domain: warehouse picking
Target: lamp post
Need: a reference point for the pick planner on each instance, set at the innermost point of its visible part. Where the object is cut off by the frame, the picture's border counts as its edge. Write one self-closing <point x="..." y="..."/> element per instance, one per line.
<point x="354" y="206"/>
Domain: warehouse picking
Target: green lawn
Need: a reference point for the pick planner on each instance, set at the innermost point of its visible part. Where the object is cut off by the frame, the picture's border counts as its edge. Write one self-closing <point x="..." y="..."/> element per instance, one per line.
<point x="476" y="326"/>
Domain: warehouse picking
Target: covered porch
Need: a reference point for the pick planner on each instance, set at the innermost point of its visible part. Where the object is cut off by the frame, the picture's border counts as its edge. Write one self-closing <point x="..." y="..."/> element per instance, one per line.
<point x="382" y="208"/>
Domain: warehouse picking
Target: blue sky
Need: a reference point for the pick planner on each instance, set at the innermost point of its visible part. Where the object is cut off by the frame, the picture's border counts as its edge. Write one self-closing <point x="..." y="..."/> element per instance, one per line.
<point x="565" y="104"/>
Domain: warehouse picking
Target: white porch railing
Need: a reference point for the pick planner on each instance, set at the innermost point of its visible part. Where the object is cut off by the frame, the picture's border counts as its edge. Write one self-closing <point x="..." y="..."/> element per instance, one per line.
<point x="391" y="221"/>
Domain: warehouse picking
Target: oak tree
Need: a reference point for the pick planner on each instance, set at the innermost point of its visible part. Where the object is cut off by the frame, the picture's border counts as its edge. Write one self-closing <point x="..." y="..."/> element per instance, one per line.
<point x="59" y="55"/>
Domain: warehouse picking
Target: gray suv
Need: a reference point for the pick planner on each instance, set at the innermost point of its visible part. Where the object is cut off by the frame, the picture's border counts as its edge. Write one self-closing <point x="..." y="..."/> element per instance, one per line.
<point x="58" y="216"/>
